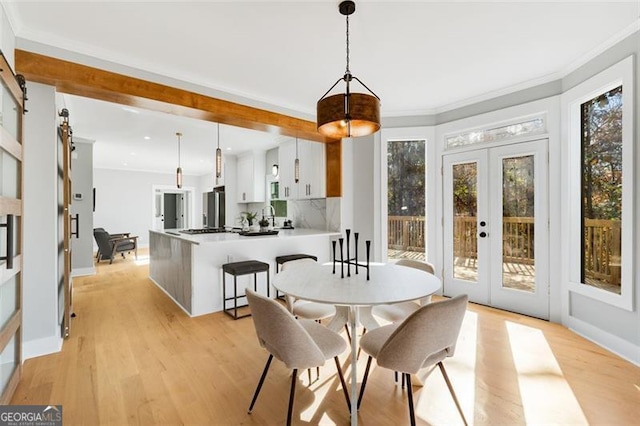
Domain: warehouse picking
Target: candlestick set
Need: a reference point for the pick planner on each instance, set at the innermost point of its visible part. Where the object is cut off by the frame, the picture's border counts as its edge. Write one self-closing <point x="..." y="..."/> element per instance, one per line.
<point x="349" y="261"/>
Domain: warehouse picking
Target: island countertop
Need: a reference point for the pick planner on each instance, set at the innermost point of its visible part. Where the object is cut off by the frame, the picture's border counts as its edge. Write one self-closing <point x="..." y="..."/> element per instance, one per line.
<point x="188" y="267"/>
<point x="222" y="237"/>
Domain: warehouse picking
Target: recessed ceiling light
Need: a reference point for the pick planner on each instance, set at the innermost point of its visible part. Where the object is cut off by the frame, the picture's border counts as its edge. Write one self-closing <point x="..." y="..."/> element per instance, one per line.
<point x="132" y="110"/>
<point x="228" y="148"/>
<point x="133" y="153"/>
<point x="147" y="138"/>
<point x="125" y="164"/>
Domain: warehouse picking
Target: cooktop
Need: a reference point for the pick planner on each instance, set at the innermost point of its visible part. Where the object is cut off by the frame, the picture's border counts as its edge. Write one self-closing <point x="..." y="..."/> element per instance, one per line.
<point x="203" y="231"/>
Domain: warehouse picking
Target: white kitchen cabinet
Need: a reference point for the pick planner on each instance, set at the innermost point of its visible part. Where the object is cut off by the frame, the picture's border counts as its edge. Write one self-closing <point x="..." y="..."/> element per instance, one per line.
<point x="250" y="177"/>
<point x="287" y="188"/>
<point x="312" y="170"/>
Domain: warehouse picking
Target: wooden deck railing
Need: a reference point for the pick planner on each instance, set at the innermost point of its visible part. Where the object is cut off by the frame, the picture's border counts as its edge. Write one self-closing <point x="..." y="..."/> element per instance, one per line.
<point x="406" y="233"/>
<point x="602" y="261"/>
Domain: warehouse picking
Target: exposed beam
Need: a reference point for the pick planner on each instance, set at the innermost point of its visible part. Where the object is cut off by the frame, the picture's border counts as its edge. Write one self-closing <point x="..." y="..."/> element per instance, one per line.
<point x="81" y="80"/>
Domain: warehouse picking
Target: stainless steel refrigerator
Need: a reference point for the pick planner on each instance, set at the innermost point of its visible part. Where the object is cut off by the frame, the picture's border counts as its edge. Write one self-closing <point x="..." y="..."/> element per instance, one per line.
<point x="213" y="206"/>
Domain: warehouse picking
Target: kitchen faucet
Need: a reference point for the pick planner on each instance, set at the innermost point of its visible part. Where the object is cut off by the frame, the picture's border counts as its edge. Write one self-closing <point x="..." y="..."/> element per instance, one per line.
<point x="273" y="214"/>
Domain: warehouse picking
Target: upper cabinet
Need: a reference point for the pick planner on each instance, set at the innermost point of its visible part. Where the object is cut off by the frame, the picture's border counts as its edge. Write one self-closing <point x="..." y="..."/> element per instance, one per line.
<point x="250" y="177"/>
<point x="288" y="190"/>
<point x="311" y="157"/>
<point x="312" y="170"/>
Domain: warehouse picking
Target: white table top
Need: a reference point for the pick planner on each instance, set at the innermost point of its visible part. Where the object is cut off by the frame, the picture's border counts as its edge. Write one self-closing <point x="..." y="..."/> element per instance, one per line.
<point x="388" y="283"/>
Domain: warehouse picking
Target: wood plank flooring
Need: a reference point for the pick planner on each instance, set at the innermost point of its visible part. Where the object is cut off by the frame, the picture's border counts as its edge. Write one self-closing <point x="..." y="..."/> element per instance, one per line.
<point x="135" y="358"/>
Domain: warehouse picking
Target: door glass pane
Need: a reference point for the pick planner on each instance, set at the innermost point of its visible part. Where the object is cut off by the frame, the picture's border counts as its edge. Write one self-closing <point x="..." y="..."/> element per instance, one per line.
<point x="9" y="168"/>
<point x="518" y="195"/>
<point x="601" y="125"/>
<point x="8" y="361"/>
<point x="10" y="115"/>
<point x="465" y="207"/>
<point x="406" y="199"/>
<point x="8" y="299"/>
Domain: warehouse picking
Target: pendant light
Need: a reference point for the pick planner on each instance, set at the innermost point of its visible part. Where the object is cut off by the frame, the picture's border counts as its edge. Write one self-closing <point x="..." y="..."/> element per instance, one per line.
<point x="296" y="165"/>
<point x="348" y="114"/>
<point x="179" y="169"/>
<point x="274" y="170"/>
<point x="218" y="156"/>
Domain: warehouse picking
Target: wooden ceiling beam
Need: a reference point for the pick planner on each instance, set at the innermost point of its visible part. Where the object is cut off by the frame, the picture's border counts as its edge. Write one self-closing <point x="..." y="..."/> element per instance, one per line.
<point x="81" y="80"/>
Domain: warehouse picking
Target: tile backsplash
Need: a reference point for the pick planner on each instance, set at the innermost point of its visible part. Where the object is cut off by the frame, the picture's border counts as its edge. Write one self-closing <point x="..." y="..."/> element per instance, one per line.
<point x="310" y="214"/>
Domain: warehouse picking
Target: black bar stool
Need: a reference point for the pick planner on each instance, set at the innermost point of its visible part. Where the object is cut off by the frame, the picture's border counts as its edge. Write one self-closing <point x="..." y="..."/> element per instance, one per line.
<point x="288" y="258"/>
<point x="236" y="269"/>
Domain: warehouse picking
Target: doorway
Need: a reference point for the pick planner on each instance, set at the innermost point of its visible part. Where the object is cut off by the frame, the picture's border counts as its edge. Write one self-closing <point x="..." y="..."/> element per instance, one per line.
<point x="173" y="208"/>
<point x="496" y="227"/>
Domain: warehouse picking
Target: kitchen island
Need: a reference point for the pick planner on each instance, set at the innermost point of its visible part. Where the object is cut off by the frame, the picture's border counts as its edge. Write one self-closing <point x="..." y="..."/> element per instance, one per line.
<point x="188" y="268"/>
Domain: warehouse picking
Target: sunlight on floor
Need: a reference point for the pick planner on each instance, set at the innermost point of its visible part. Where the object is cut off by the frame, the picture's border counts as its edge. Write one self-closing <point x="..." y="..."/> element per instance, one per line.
<point x="546" y="396"/>
<point x="142" y="260"/>
<point x="320" y="388"/>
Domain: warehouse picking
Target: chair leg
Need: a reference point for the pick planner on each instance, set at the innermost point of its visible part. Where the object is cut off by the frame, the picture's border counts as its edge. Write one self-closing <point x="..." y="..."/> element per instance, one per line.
<point x="364" y="381"/>
<point x="412" y="414"/>
<point x="309" y="374"/>
<point x="344" y="384"/>
<point x="346" y="327"/>
<point x="453" y="394"/>
<point x="294" y="377"/>
<point x="264" y="374"/>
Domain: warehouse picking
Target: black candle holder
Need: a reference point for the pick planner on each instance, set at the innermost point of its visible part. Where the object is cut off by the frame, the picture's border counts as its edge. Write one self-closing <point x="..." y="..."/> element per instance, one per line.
<point x="350" y="260"/>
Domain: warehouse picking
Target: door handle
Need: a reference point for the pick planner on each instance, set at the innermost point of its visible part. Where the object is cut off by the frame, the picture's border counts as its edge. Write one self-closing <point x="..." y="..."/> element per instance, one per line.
<point x="76" y="219"/>
<point x="483" y="223"/>
<point x="9" y="256"/>
<point x="482" y="234"/>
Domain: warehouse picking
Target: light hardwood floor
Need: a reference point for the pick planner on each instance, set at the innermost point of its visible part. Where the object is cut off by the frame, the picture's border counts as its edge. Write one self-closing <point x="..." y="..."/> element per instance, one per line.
<point x="135" y="358"/>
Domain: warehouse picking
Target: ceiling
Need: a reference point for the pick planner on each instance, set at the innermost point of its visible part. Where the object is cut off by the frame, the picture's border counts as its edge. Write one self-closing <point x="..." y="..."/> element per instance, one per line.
<point x="420" y="57"/>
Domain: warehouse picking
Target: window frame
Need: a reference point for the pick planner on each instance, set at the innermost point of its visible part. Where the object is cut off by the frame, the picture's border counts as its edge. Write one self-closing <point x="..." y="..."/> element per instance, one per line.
<point x="620" y="74"/>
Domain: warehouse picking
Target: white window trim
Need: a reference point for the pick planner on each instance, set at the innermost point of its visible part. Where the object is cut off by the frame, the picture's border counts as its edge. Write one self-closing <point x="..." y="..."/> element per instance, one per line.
<point x="614" y="76"/>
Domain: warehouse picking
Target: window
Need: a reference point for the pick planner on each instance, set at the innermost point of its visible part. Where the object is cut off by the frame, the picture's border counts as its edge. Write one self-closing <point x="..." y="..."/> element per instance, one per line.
<point x="406" y="199"/>
<point x="504" y="132"/>
<point x="601" y="164"/>
<point x="600" y="191"/>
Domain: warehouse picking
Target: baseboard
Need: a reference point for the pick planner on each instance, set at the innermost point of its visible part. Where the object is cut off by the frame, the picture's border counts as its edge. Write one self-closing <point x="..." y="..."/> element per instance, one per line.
<point x="39" y="347"/>
<point x="615" y="344"/>
<point x="78" y="272"/>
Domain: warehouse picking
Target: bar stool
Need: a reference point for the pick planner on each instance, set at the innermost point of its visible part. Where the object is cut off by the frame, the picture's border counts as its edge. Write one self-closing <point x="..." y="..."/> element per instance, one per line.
<point x="288" y="258"/>
<point x="237" y="269"/>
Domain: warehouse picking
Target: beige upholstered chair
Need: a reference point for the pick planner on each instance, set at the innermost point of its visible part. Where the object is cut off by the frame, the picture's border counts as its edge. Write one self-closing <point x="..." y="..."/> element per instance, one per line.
<point x="425" y="338"/>
<point x="399" y="311"/>
<point x="300" y="344"/>
<point x="303" y="308"/>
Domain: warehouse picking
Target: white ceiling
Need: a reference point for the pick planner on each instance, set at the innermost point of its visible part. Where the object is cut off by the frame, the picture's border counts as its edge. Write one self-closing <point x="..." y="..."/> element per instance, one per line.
<point x="420" y="57"/>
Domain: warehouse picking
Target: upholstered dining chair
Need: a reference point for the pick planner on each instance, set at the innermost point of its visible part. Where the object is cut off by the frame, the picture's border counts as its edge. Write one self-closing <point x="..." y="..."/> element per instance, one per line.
<point x="425" y="338"/>
<point x="303" y="308"/>
<point x="299" y="344"/>
<point x="399" y="311"/>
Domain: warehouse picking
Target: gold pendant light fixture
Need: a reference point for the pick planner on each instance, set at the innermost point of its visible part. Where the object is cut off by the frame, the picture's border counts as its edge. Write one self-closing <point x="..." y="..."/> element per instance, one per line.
<point x="179" y="169"/>
<point x="218" y="156"/>
<point x="348" y="114"/>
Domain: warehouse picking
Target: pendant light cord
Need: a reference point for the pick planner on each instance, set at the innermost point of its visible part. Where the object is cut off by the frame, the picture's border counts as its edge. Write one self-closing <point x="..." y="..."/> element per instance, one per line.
<point x="347" y="71"/>
<point x="218" y="135"/>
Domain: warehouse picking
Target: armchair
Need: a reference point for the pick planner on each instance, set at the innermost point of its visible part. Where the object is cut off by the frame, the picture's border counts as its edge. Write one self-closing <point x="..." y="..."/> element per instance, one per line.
<point x="111" y="244"/>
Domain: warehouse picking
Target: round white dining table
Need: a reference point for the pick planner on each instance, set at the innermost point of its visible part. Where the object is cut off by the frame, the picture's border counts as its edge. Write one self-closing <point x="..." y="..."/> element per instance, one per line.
<point x="354" y="296"/>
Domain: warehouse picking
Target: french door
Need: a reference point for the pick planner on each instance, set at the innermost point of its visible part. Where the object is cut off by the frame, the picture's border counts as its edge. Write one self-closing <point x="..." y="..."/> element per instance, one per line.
<point x="496" y="227"/>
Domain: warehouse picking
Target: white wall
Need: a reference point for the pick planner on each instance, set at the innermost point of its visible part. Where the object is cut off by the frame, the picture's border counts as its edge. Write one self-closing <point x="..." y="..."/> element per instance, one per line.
<point x="40" y="303"/>
<point x="82" y="183"/>
<point x="124" y="200"/>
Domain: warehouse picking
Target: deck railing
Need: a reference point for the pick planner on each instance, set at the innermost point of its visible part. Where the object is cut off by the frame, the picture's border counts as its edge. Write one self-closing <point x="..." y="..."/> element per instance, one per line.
<point x="406" y="233"/>
<point x="601" y="261"/>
